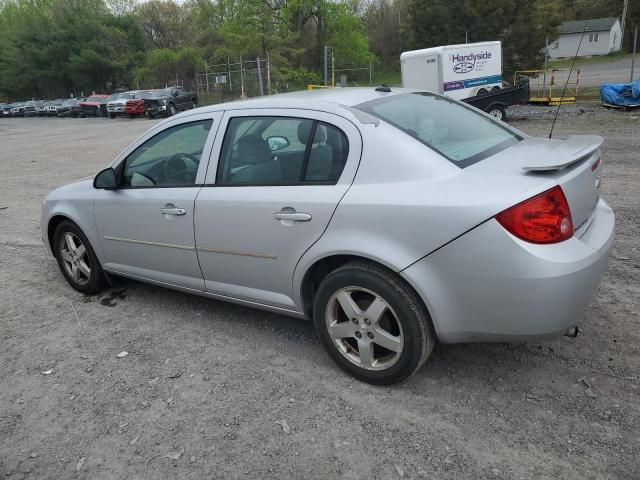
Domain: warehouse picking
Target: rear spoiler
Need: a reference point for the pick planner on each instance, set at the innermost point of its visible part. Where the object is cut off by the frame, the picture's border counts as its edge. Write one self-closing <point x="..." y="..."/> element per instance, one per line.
<point x="563" y="152"/>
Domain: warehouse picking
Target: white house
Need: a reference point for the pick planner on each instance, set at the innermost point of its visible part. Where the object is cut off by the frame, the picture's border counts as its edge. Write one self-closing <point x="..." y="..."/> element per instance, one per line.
<point x="601" y="36"/>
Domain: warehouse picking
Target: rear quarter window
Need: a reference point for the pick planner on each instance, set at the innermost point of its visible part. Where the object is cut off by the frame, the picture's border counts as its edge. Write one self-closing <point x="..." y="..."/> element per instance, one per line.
<point x="455" y="131"/>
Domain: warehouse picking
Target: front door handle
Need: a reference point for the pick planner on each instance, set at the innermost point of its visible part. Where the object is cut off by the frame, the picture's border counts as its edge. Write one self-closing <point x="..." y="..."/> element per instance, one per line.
<point x="173" y="211"/>
<point x="293" y="216"/>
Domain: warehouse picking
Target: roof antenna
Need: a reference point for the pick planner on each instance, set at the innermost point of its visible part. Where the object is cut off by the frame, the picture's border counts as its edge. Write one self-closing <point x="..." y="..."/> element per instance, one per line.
<point x="586" y="24"/>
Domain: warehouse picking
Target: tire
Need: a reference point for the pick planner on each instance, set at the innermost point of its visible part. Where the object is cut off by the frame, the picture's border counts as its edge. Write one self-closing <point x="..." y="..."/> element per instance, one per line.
<point x="495" y="88"/>
<point x="194" y="105"/>
<point x="150" y="116"/>
<point x="171" y="109"/>
<point x="77" y="277"/>
<point x="482" y="91"/>
<point x="497" y="112"/>
<point x="402" y="324"/>
<point x="112" y="115"/>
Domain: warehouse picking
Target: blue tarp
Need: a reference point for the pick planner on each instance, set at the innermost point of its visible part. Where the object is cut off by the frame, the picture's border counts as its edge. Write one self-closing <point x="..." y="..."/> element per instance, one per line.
<point x="622" y="94"/>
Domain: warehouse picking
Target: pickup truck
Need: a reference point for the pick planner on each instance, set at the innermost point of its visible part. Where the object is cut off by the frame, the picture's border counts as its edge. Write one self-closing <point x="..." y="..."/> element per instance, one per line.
<point x="91" y="106"/>
<point x="169" y="101"/>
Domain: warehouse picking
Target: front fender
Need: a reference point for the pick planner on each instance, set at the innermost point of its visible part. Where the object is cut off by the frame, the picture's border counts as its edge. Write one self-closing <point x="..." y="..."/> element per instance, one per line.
<point x="77" y="206"/>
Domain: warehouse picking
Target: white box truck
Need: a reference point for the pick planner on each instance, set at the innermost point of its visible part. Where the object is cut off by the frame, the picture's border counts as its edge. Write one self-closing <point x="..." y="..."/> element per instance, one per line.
<point x="457" y="71"/>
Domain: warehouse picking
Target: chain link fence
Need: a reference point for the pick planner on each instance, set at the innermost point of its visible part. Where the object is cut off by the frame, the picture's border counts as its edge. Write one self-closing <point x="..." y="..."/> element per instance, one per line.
<point x="223" y="82"/>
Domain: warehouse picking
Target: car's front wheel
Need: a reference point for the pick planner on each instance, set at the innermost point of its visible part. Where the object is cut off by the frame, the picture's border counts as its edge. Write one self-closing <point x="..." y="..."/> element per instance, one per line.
<point x="172" y="109"/>
<point x="76" y="259"/>
<point x="372" y="324"/>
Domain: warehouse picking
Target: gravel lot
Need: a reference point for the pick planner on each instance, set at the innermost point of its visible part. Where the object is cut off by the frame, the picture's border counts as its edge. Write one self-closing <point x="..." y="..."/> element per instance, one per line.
<point x="215" y="390"/>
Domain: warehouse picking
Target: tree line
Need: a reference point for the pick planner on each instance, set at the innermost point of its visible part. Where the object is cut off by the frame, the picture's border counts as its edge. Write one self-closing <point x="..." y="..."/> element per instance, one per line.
<point x="52" y="48"/>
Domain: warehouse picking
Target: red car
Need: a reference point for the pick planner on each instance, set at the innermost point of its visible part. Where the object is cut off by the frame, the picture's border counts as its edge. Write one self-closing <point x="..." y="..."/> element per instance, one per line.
<point x="91" y="106"/>
<point x="136" y="105"/>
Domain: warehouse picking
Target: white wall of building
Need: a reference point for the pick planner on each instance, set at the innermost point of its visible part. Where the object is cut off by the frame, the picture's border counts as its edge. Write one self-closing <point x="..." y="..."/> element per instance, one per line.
<point x="594" y="43"/>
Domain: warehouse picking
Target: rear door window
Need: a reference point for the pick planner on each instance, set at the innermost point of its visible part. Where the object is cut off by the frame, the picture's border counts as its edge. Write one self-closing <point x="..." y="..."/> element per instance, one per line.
<point x="281" y="151"/>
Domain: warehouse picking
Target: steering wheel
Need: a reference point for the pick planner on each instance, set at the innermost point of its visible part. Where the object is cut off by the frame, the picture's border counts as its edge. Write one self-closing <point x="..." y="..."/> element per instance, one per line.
<point x="175" y="167"/>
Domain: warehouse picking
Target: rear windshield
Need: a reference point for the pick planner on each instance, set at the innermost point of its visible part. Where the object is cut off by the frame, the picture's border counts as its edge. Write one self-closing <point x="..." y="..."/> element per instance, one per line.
<point x="454" y="130"/>
<point x="95" y="99"/>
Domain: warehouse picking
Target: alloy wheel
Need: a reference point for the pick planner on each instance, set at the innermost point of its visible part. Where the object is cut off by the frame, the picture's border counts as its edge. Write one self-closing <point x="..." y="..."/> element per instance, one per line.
<point x="75" y="258"/>
<point x="364" y="328"/>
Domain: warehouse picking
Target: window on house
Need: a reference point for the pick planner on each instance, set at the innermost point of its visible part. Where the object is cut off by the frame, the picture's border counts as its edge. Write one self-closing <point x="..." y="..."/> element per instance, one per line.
<point x="593" y="38"/>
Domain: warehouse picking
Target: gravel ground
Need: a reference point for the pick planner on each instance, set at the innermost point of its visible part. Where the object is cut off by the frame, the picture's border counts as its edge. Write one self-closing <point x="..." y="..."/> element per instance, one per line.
<point x="214" y="390"/>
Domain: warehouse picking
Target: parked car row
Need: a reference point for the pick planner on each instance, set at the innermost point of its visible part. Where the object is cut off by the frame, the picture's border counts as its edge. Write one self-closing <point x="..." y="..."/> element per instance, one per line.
<point x="149" y="103"/>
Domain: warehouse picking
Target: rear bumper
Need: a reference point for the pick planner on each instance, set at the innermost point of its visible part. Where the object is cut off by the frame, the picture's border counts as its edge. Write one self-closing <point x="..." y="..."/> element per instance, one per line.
<point x="491" y="286"/>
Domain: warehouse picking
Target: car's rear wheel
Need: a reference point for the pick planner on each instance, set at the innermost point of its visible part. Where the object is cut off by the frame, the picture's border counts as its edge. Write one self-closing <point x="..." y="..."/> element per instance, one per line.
<point x="76" y="259"/>
<point x="372" y="324"/>
<point x="172" y="109"/>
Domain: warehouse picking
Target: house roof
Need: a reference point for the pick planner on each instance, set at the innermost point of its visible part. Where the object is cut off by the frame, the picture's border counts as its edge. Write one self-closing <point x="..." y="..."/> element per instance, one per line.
<point x="593" y="25"/>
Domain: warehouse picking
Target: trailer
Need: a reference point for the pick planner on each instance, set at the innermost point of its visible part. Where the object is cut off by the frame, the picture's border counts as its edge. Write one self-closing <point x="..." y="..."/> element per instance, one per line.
<point x="496" y="102"/>
<point x="471" y="73"/>
<point x="457" y="71"/>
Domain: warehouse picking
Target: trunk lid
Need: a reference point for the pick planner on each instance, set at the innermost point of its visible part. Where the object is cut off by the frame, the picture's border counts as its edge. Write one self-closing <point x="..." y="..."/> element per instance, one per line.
<point x="573" y="163"/>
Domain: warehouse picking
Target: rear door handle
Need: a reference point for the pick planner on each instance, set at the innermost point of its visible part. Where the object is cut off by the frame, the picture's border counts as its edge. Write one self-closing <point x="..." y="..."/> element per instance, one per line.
<point x="293" y="217"/>
<point x="173" y="211"/>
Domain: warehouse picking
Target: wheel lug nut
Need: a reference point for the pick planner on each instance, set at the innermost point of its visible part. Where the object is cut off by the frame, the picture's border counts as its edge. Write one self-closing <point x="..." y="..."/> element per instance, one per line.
<point x="369" y="334"/>
<point x="367" y="321"/>
<point x="354" y="320"/>
<point x="358" y="335"/>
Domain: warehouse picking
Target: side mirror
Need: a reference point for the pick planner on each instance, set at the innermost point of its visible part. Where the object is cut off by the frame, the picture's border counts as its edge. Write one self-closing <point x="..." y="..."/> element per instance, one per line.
<point x="277" y="143"/>
<point x="106" y="179"/>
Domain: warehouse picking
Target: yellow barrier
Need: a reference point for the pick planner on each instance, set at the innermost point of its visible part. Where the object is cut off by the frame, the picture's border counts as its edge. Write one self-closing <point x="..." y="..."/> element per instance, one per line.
<point x="316" y="87"/>
<point x="555" y="86"/>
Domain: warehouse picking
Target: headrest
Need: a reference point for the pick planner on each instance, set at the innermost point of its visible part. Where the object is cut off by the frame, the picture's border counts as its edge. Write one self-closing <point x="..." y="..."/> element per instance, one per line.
<point x="253" y="149"/>
<point x="304" y="128"/>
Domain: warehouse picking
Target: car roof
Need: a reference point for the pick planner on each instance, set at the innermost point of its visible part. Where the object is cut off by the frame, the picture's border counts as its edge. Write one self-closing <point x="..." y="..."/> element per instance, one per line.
<point x="325" y="99"/>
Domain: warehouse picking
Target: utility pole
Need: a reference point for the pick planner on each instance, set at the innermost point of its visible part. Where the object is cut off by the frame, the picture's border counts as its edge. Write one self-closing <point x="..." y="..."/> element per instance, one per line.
<point x="624" y="19"/>
<point x="326" y="71"/>
<point x="633" y="56"/>
<point x="206" y="74"/>
<point x="229" y="73"/>
<point x="241" y="79"/>
<point x="260" y="77"/>
<point x="546" y="60"/>
<point x="268" y="75"/>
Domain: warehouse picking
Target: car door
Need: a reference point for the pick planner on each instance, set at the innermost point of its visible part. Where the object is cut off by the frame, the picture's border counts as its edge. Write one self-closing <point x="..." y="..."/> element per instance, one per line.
<point x="146" y="225"/>
<point x="279" y="177"/>
<point x="180" y="98"/>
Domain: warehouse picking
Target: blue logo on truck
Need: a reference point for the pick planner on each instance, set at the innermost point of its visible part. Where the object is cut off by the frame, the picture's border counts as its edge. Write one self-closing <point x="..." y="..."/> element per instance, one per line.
<point x="472" y="82"/>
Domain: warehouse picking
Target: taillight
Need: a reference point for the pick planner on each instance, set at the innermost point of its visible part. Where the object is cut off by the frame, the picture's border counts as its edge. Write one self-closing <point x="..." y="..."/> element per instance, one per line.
<point x="544" y="218"/>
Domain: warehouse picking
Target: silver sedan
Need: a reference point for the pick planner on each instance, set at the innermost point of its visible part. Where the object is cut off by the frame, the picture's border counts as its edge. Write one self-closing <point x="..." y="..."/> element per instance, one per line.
<point x="391" y="218"/>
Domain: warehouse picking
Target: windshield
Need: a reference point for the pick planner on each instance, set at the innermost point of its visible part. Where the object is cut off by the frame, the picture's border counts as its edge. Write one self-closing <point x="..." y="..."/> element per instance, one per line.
<point x="455" y="131"/>
<point x="95" y="99"/>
